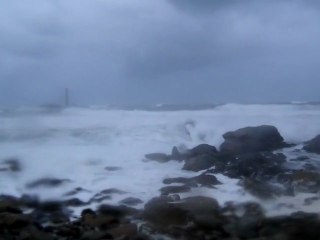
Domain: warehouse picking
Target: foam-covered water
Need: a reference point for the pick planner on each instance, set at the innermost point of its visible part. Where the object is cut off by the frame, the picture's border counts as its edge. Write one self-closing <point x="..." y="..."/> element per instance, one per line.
<point x="78" y="143"/>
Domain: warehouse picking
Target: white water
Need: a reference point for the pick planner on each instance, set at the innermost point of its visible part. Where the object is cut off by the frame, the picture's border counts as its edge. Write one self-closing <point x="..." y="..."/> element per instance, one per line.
<point x="78" y="143"/>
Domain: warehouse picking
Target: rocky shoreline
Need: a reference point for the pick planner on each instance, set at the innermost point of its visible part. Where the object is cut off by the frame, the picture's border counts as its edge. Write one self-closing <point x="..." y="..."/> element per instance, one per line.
<point x="250" y="155"/>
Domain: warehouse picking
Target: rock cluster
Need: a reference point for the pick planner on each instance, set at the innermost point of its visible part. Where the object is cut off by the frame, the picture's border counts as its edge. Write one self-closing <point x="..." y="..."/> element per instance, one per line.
<point x="247" y="154"/>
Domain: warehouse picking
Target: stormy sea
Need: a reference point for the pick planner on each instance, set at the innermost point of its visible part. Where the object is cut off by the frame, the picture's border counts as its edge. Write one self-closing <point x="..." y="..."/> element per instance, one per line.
<point x="86" y="157"/>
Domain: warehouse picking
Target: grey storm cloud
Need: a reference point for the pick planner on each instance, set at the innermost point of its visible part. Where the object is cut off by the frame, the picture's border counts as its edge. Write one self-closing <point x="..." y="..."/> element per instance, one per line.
<point x="142" y="51"/>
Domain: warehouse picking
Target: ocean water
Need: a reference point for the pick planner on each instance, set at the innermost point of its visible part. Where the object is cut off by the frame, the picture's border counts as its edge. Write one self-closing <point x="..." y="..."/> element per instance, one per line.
<point x="78" y="143"/>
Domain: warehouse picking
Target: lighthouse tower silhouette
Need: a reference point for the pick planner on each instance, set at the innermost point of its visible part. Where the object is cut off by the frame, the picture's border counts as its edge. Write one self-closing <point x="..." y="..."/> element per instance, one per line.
<point x="66" y="97"/>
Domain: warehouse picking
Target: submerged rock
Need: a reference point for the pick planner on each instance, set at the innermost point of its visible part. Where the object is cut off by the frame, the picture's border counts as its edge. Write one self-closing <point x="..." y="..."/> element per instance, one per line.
<point x="252" y="139"/>
<point x="174" y="189"/>
<point x="158" y="157"/>
<point x="301" y="180"/>
<point x="12" y="165"/>
<point x="313" y="145"/>
<point x="264" y="190"/>
<point x="47" y="182"/>
<point x="112" y="168"/>
<point x="131" y="201"/>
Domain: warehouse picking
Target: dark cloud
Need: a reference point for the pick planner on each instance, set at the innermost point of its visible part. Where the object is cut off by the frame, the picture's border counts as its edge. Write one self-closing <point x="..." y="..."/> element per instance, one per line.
<point x="141" y="51"/>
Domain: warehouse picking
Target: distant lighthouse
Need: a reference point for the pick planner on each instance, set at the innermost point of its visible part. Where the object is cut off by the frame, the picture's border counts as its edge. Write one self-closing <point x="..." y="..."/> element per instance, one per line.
<point x="66" y="97"/>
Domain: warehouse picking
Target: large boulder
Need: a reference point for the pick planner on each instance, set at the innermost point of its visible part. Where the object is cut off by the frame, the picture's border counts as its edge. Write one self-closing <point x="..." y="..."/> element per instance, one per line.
<point x="199" y="150"/>
<point x="204" y="212"/>
<point x="252" y="139"/>
<point x="313" y="145"/>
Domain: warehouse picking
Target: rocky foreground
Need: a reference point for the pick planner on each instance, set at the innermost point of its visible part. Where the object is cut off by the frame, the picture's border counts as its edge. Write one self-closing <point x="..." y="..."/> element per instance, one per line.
<point x="247" y="154"/>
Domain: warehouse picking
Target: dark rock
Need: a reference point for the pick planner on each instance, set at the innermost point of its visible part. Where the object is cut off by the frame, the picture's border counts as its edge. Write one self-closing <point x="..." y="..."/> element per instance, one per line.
<point x="47" y="182"/>
<point x="311" y="200"/>
<point x="199" y="163"/>
<point x="88" y="211"/>
<point x="125" y="231"/>
<point x="176" y="155"/>
<point x="174" y="189"/>
<point x="201" y="150"/>
<point x="116" y="211"/>
<point x="261" y="165"/>
<point x="313" y="145"/>
<point x="112" y="191"/>
<point x="204" y="211"/>
<point x="264" y="190"/>
<point x="301" y="180"/>
<point x="204" y="180"/>
<point x="13" y="165"/>
<point x="106" y="194"/>
<point x="159" y="157"/>
<point x="75" y="191"/>
<point x="13" y="221"/>
<point x="163" y="213"/>
<point x="95" y="235"/>
<point x="112" y="168"/>
<point x="294" y="227"/>
<point x="300" y="159"/>
<point x="252" y="139"/>
<point x="131" y="201"/>
<point x="9" y="207"/>
<point x="31" y="232"/>
<point x="100" y="221"/>
<point x="74" y="202"/>
<point x="247" y="218"/>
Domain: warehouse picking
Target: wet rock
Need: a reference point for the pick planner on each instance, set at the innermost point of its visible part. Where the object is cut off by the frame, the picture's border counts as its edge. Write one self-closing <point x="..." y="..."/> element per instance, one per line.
<point x="260" y="165"/>
<point x="163" y="213"/>
<point x="204" y="211"/>
<point x="99" y="221"/>
<point x="174" y="189"/>
<point x="125" y="231"/>
<point x="301" y="180"/>
<point x="33" y="233"/>
<point x="112" y="169"/>
<point x="47" y="182"/>
<point x="106" y="194"/>
<point x="158" y="157"/>
<point x="75" y="191"/>
<point x="9" y="207"/>
<point x="117" y="211"/>
<point x="264" y="190"/>
<point x="199" y="163"/>
<point x="201" y="150"/>
<point x="131" y="201"/>
<point x="112" y="191"/>
<point x="74" y="202"/>
<point x="311" y="200"/>
<point x="294" y="227"/>
<point x="176" y="155"/>
<point x="95" y="235"/>
<point x="247" y="218"/>
<point x="13" y="221"/>
<point x="300" y="159"/>
<point x="204" y="180"/>
<point x="313" y="145"/>
<point x="13" y="165"/>
<point x="252" y="139"/>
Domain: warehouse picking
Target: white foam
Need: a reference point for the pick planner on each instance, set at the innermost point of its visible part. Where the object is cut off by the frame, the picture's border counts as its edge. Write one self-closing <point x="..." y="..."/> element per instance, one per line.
<point x="78" y="143"/>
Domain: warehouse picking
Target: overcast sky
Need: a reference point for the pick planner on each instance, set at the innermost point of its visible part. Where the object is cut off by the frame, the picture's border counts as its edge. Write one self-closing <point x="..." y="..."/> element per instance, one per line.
<point x="159" y="51"/>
